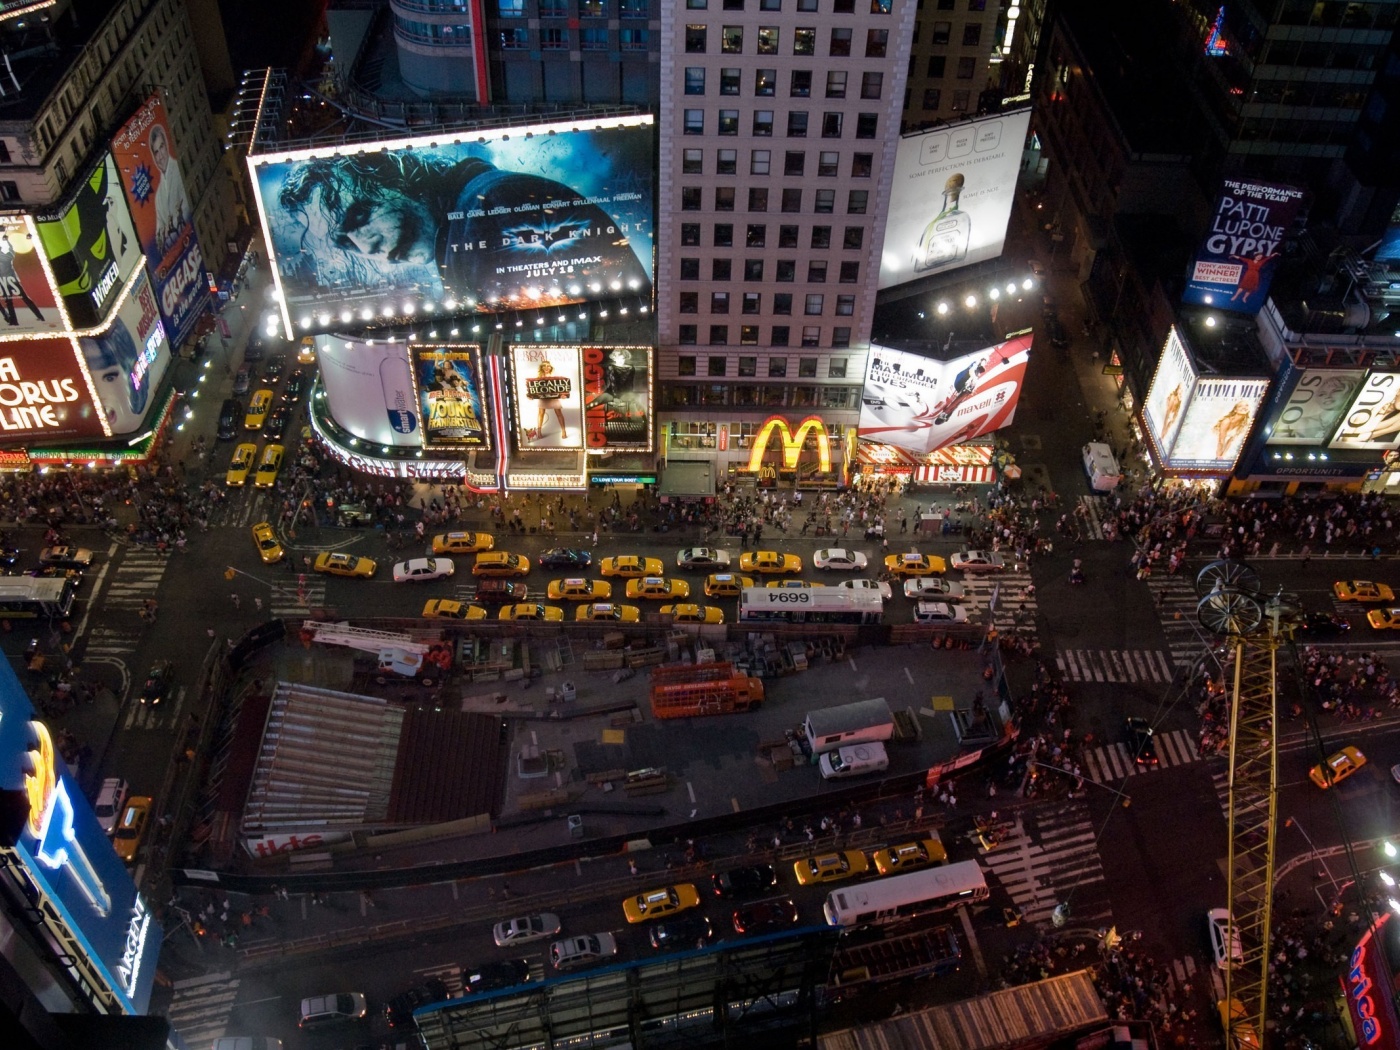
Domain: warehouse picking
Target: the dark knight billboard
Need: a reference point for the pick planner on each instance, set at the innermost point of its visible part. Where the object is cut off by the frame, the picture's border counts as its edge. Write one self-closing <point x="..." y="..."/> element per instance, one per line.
<point x="501" y="219"/>
<point x="1237" y="259"/>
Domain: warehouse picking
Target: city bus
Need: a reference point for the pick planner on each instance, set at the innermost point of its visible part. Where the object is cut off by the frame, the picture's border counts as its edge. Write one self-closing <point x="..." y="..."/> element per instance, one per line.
<point x="34" y="597"/>
<point x="809" y="605"/>
<point x="900" y="897"/>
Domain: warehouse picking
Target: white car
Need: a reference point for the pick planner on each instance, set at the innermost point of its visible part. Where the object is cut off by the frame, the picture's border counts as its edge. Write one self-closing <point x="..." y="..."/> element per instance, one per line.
<point x="933" y="587"/>
<point x="978" y="561"/>
<point x="837" y="558"/>
<point x="939" y="612"/>
<point x="110" y="801"/>
<point x="573" y="953"/>
<point x="705" y="558"/>
<point x="526" y="928"/>
<point x="869" y="585"/>
<point x="1220" y="925"/>
<point x="420" y="569"/>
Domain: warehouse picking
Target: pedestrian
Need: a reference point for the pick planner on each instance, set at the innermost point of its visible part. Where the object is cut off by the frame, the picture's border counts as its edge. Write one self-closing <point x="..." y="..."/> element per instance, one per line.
<point x="505" y="891"/>
<point x="631" y="865"/>
<point x="595" y="537"/>
<point x="237" y="602"/>
<point x="257" y="604"/>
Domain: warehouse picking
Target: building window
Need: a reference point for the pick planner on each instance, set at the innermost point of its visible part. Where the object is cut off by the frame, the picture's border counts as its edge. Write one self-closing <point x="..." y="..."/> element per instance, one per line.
<point x="726" y="161"/>
<point x="961" y="100"/>
<point x="787" y="271"/>
<point x="871" y="85"/>
<point x="724" y="235"/>
<point x="770" y="5"/>
<point x="732" y="40"/>
<point x="687" y="336"/>
<point x="831" y="125"/>
<point x="845" y="305"/>
<point x="690" y="302"/>
<point x="942" y="32"/>
<point x="813" y="307"/>
<point x="719" y="302"/>
<point x="690" y="269"/>
<point x="591" y="8"/>
<point x="758" y="198"/>
<point x="756" y="237"/>
<point x="881" y="7"/>
<point x="763" y="123"/>
<point x="876" y="40"/>
<point x="690" y="234"/>
<point x="765" y="82"/>
<point x="787" y="236"/>
<point x="794" y="162"/>
<point x="733" y="5"/>
<point x="836" y="83"/>
<point x="729" y="122"/>
<point x="767" y="40"/>
<point x="836" y="368"/>
<point x="866" y="125"/>
<point x="719" y="335"/>
<point x="801" y="86"/>
<point x="685" y="365"/>
<point x="828" y="163"/>
<point x="720" y="269"/>
<point x="724" y="198"/>
<point x="936" y="64"/>
<point x="748" y="335"/>
<point x="861" y="165"/>
<point x="840" y="43"/>
<point x="594" y="39"/>
<point x="695" y="122"/>
<point x="511" y="8"/>
<point x="694" y="80"/>
<point x="811" y="336"/>
<point x="804" y="41"/>
<point x="797" y="124"/>
<point x="695" y="39"/>
<point x="972" y="34"/>
<point x="840" y="340"/>
<point x="806" y="368"/>
<point x="752" y="302"/>
<point x="748" y="367"/>
<point x="821" y="237"/>
<point x="792" y="200"/>
<point x="635" y="8"/>
<point x="966" y="67"/>
<point x="777" y="368"/>
<point x="554" y="8"/>
<point x="780" y="336"/>
<point x="843" y="7"/>
<point x="693" y="162"/>
<point x="933" y="98"/>
<point x="760" y="161"/>
<point x="729" y="81"/>
<point x="690" y="198"/>
<point x="850" y="272"/>
<point x="816" y="271"/>
<point x="718" y="365"/>
<point x="826" y="202"/>
<point x="515" y="39"/>
<point x="855" y="204"/>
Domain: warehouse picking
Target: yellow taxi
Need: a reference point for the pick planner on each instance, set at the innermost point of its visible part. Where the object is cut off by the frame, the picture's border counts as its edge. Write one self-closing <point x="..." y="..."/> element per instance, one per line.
<point x="579" y="590"/>
<point x="791" y="585"/>
<point x="608" y="612"/>
<point x="909" y="856"/>
<point x="1384" y="619"/>
<point x="904" y="565"/>
<point x="533" y="611"/>
<point x="268" y="466"/>
<point x="829" y="867"/>
<point x="1243" y="1035"/>
<point x="726" y="585"/>
<point x="131" y="827"/>
<point x="266" y="540"/>
<point x="463" y="542"/>
<point x="257" y="410"/>
<point x="501" y="563"/>
<point x="631" y="566"/>
<point x="690" y="613"/>
<point x="1362" y="591"/>
<point x="242" y="462"/>
<point x="306" y="350"/>
<point x="770" y="562"/>
<point x="653" y="904"/>
<point x="1337" y="767"/>
<point x="446" y="609"/>
<point x="345" y="565"/>
<point x="658" y="587"/>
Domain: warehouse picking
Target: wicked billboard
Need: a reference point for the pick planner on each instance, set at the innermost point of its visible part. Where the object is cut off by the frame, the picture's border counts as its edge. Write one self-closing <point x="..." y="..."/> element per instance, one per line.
<point x="1236" y="261"/>
<point x="516" y="217"/>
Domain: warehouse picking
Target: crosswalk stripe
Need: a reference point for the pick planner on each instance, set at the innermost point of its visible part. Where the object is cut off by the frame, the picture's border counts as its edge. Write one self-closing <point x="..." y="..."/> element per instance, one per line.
<point x="200" y="1007"/>
<point x="1051" y="854"/>
<point x="1091" y="518"/>
<point x="1114" y="665"/>
<point x="1110" y="762"/>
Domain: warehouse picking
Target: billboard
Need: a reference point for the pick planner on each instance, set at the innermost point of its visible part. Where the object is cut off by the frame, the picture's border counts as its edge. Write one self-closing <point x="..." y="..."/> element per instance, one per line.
<point x="449" y="393"/>
<point x="1372" y="420"/>
<point x="547" y="397"/>
<point x="1166" y="397"/>
<point x="369" y="386"/>
<point x="1368" y="986"/>
<point x="617" y="392"/>
<point x="951" y="196"/>
<point x="1315" y="406"/>
<point x="27" y="299"/>
<point x="1217" y="419"/>
<point x="515" y="217"/>
<point x="44" y="394"/>
<point x="91" y="246"/>
<point x="65" y="852"/>
<point x="145" y="154"/>
<point x="921" y="404"/>
<point x="129" y="359"/>
<point x="1237" y="259"/>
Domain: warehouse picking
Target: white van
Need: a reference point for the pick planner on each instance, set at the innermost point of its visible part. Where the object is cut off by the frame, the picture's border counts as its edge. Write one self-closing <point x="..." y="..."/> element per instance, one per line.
<point x="1101" y="467"/>
<point x="854" y="760"/>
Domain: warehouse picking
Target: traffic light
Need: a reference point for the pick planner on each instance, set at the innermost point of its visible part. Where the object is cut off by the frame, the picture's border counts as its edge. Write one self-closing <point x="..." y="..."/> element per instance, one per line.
<point x="230" y="573"/>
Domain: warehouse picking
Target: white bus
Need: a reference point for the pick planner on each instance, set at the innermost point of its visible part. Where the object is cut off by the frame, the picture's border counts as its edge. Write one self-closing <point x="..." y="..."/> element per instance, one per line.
<point x="905" y="896"/>
<point x="32" y="597"/>
<point x="809" y="605"/>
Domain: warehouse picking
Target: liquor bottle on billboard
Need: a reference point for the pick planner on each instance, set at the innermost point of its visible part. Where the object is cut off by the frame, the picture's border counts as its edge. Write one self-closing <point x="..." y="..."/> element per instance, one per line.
<point x="947" y="236"/>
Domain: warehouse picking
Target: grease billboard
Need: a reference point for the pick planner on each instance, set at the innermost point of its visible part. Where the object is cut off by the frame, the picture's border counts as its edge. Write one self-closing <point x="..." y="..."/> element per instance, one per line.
<point x="546" y="394"/>
<point x="1372" y="420"/>
<point x="921" y="404"/>
<point x="1315" y="406"/>
<point x="449" y="392"/>
<point x="1166" y="397"/>
<point x="951" y="197"/>
<point x="1237" y="259"/>
<point x="617" y="391"/>
<point x="128" y="360"/>
<point x="145" y="154"/>
<point x="515" y="217"/>
<point x="27" y="300"/>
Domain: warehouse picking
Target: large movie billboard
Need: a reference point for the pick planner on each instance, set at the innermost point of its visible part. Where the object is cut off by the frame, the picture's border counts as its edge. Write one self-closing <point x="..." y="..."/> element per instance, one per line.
<point x="921" y="404"/>
<point x="515" y="217"/>
<point x="1237" y="259"/>
<point x="129" y="359"/>
<point x="1315" y="406"/>
<point x="91" y="246"/>
<point x="951" y="196"/>
<point x="160" y="209"/>
<point x="1372" y="420"/>
<point x="547" y="397"/>
<point x="369" y="386"/>
<point x="617" y="391"/>
<point x="1166" y="396"/>
<point x="44" y="394"/>
<point x="1218" y="418"/>
<point x="449" y="392"/>
<point x="27" y="300"/>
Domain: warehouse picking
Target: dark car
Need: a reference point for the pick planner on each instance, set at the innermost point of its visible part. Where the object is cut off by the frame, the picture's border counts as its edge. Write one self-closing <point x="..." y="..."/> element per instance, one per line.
<point x="399" y="1011"/>
<point x="500" y="592"/>
<point x="740" y="882"/>
<point x="230" y="418"/>
<point x="1059" y="338"/>
<point x="256" y="350"/>
<point x="565" y="558"/>
<point x="689" y="930"/>
<point x="9" y="556"/>
<point x="765" y="916"/>
<point x="296" y="383"/>
<point x="159" y="682"/>
<point x="1140" y="741"/>
<point x="494" y="976"/>
<point x="276" y="424"/>
<point x="272" y="371"/>
<point x="1321" y="625"/>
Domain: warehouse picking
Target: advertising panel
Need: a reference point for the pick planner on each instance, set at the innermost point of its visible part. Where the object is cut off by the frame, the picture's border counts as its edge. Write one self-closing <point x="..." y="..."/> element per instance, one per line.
<point x="1166" y="397"/>
<point x="129" y="359"/>
<point x="160" y="209"/>
<point x="1236" y="261"/>
<point x="27" y="300"/>
<point x="68" y="855"/>
<point x="1368" y="987"/>
<point x="1373" y="418"/>
<point x="1216" y="422"/>
<point x="951" y="196"/>
<point x="546" y="396"/>
<point x="369" y="386"/>
<point x="921" y="404"/>
<point x="449" y="392"/>
<point x="516" y="217"/>
<point x="617" y="389"/>
<point x="91" y="246"/>
<point x="1315" y="406"/>
<point x="44" y="394"/>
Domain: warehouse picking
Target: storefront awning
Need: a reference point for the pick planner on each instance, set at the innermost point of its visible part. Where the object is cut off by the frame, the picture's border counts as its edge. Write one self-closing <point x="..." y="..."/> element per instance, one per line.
<point x="950" y="475"/>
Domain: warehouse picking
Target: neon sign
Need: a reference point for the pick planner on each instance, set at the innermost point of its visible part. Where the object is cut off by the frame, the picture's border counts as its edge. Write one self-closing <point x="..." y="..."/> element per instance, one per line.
<point x="51" y="821"/>
<point x="1216" y="44"/>
<point x="1359" y="992"/>
<point x="792" y="443"/>
<point x="129" y="969"/>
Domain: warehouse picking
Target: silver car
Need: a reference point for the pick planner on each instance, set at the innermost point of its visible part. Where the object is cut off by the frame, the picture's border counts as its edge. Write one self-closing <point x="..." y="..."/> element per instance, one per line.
<point x="527" y="928"/>
<point x="932" y="587"/>
<point x="574" y="953"/>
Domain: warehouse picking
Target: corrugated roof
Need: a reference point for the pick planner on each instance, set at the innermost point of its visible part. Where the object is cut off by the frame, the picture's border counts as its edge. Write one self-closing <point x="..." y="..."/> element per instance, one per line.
<point x="452" y="764"/>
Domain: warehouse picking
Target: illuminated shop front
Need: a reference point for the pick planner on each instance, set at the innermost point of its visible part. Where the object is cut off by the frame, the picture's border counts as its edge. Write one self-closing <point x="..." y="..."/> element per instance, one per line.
<point x="967" y="464"/>
<point x="775" y="451"/>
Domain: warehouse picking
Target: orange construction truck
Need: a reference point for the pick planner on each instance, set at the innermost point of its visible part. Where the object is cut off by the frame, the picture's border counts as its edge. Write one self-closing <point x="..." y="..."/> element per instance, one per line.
<point x="684" y="691"/>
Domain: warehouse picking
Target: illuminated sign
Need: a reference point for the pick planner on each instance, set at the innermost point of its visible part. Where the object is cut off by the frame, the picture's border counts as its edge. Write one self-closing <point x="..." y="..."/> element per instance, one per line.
<point x="1216" y="44"/>
<point x="128" y="357"/>
<point x="28" y="302"/>
<point x="1368" y="1000"/>
<point x="1236" y="261"/>
<point x="44" y="392"/>
<point x="617" y="392"/>
<point x="369" y="386"/>
<point x="1218" y="418"/>
<point x="1372" y="421"/>
<point x="546" y="397"/>
<point x="454" y="470"/>
<point x="622" y="479"/>
<point x="1167" y="394"/>
<point x="1315" y="406"/>
<point x="449" y="392"/>
<point x="792" y="442"/>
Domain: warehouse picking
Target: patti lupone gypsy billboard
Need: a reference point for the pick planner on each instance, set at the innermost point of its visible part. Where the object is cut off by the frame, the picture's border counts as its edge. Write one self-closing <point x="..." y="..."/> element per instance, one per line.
<point x="495" y="219"/>
<point x="617" y="397"/>
<point x="129" y="359"/>
<point x="27" y="299"/>
<point x="449" y="394"/>
<point x="1237" y="259"/>
<point x="546" y="396"/>
<point x="160" y="209"/>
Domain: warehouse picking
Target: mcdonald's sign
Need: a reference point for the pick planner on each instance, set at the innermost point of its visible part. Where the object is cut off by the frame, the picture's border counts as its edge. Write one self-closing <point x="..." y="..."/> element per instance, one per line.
<point x="792" y="442"/>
